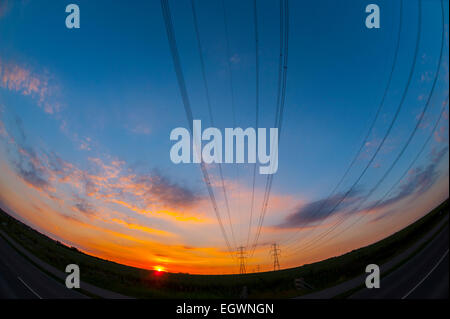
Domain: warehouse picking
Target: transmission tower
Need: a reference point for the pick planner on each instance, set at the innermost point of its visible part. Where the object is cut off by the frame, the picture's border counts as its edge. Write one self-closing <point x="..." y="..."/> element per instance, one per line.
<point x="275" y="251"/>
<point x="241" y="256"/>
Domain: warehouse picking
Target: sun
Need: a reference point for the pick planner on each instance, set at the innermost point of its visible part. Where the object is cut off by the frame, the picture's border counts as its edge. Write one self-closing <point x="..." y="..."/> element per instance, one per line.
<point x="159" y="268"/>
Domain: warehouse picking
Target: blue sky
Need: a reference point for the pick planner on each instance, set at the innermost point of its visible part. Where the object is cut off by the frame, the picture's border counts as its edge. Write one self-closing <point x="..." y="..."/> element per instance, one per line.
<point x="103" y="99"/>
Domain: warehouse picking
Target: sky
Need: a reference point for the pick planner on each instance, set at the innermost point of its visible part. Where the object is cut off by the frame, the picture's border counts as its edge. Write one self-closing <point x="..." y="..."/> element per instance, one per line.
<point x="86" y="116"/>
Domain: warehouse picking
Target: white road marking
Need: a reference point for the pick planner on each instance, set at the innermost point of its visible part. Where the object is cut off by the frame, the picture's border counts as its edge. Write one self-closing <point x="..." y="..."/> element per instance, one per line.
<point x="439" y="262"/>
<point x="25" y="284"/>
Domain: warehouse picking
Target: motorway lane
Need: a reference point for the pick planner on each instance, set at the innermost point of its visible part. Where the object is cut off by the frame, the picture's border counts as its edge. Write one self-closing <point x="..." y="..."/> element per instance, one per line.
<point x="424" y="276"/>
<point x="11" y="286"/>
<point x="436" y="285"/>
<point x="21" y="279"/>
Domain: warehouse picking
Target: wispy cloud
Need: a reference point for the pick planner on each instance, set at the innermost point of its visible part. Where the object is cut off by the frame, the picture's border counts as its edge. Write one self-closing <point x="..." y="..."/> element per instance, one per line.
<point x="141" y="129"/>
<point x="417" y="182"/>
<point x="235" y="58"/>
<point x="102" y="183"/>
<point x="372" y="144"/>
<point x="140" y="227"/>
<point x="31" y="169"/>
<point x="24" y="81"/>
<point x="4" y="7"/>
<point x="313" y="212"/>
<point x="83" y="206"/>
<point x="441" y="134"/>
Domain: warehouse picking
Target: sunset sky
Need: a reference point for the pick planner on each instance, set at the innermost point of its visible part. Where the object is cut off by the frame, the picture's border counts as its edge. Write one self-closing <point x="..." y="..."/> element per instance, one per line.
<point x="86" y="115"/>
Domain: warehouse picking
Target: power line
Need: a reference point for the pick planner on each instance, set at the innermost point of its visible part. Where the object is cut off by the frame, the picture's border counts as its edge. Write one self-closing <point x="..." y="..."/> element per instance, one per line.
<point x="411" y="136"/>
<point x="380" y="201"/>
<point x="185" y="98"/>
<point x="228" y="54"/>
<point x="255" y="14"/>
<point x="395" y="116"/>
<point x="422" y="114"/>
<point x="282" y="76"/>
<point x="282" y="71"/>
<point x="380" y="106"/>
<point x="208" y="100"/>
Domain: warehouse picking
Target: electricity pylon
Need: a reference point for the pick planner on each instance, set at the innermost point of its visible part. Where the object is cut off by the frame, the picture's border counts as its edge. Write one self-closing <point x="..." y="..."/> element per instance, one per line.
<point x="241" y="256"/>
<point x="275" y="251"/>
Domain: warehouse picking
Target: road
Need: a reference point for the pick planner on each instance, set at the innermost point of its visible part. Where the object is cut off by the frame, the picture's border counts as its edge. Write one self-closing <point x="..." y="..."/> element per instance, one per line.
<point x="424" y="276"/>
<point x="359" y="281"/>
<point x="20" y="279"/>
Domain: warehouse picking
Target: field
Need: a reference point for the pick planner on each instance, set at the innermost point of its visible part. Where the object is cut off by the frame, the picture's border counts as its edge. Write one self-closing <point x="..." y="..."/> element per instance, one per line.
<point x="142" y="283"/>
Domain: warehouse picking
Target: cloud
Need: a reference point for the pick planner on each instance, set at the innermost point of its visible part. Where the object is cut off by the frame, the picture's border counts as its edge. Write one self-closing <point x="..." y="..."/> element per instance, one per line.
<point x="441" y="133"/>
<point x="4" y="7"/>
<point x="26" y="82"/>
<point x="101" y="183"/>
<point x="163" y="190"/>
<point x="115" y="182"/>
<point x="2" y="129"/>
<point x="141" y="129"/>
<point x="371" y="145"/>
<point x="235" y="58"/>
<point x="19" y="126"/>
<point x="418" y="180"/>
<point x="426" y="76"/>
<point x="30" y="168"/>
<point x="83" y="206"/>
<point x="139" y="227"/>
<point x="313" y="212"/>
<point x="85" y="144"/>
<point x="104" y="183"/>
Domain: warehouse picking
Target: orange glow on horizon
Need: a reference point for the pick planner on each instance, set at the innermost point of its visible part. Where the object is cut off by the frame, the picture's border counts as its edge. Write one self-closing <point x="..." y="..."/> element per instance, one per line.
<point x="127" y="239"/>
<point x="159" y="269"/>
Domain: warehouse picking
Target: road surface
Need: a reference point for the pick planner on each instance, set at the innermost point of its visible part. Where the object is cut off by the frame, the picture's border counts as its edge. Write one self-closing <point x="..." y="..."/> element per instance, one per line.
<point x="359" y="281"/>
<point x="21" y="279"/>
<point x="424" y="276"/>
